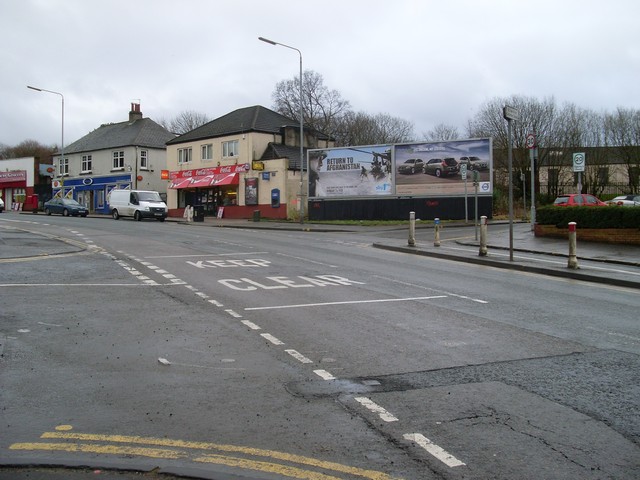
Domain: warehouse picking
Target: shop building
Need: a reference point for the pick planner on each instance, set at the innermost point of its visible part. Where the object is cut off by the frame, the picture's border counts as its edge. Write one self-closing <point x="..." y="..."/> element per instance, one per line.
<point x="21" y="178"/>
<point x="244" y="162"/>
<point x="125" y="155"/>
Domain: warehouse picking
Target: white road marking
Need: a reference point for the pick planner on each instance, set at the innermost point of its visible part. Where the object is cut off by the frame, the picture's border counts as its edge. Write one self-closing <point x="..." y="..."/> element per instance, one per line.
<point x="216" y="303"/>
<point x="348" y="302"/>
<point x="272" y="339"/>
<point x="298" y="356"/>
<point x="324" y="374"/>
<point x="251" y="325"/>
<point x="434" y="449"/>
<point x="209" y="255"/>
<point x="375" y="408"/>
<point x="233" y="313"/>
<point x="49" y="324"/>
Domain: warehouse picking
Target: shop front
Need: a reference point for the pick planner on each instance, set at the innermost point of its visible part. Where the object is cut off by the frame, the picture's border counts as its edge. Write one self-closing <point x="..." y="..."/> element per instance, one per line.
<point x="14" y="189"/>
<point x="92" y="192"/>
<point x="213" y="189"/>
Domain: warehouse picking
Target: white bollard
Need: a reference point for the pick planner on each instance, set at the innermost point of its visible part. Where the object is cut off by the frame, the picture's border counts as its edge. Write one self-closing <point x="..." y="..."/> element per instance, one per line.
<point x="436" y="240"/>
<point x="573" y="258"/>
<point x="412" y="229"/>
<point x="483" y="236"/>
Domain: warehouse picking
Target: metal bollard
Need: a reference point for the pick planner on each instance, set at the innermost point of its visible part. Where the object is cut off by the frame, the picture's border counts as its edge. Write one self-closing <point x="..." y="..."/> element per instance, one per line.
<point x="436" y="240"/>
<point x="412" y="229"/>
<point x="573" y="259"/>
<point x="483" y="236"/>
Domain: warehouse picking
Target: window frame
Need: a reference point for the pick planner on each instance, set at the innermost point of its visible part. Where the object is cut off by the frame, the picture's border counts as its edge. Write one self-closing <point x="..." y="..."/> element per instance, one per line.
<point x="144" y="159"/>
<point x="230" y="148"/>
<point x="185" y="155"/>
<point x="87" y="163"/>
<point x="118" y="160"/>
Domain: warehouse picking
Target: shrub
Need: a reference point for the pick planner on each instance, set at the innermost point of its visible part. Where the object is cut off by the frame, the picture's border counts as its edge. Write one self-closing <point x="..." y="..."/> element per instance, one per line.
<point x="590" y="217"/>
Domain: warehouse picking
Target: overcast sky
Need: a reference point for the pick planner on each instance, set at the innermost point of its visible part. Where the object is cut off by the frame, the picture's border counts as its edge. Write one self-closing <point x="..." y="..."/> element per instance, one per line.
<point x="425" y="61"/>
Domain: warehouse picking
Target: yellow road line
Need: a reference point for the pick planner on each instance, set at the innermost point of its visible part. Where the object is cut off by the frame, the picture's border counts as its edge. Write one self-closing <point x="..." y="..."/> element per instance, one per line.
<point x="165" y="442"/>
<point x="107" y="449"/>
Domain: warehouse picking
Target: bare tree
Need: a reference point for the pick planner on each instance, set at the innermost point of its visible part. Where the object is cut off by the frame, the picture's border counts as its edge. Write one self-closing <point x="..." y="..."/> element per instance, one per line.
<point x="322" y="108"/>
<point x="364" y="129"/>
<point x="622" y="132"/>
<point x="442" y="132"/>
<point x="184" y="122"/>
<point x="28" y="148"/>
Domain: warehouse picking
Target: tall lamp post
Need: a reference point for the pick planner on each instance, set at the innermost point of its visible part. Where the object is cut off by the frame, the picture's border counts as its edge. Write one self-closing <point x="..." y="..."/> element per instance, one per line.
<point x="301" y="125"/>
<point x="62" y="140"/>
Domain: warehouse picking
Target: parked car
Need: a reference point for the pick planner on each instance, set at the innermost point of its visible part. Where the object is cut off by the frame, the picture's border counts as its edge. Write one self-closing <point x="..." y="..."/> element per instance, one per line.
<point x="474" y="163"/>
<point x="442" y="167"/>
<point x="1" y="205"/>
<point x="625" y="200"/>
<point x="578" y="200"/>
<point x="413" y="165"/>
<point x="66" y="207"/>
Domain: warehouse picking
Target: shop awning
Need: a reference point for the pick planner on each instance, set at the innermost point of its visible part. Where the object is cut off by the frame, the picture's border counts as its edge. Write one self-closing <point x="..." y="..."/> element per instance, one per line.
<point x="225" y="179"/>
<point x="205" y="181"/>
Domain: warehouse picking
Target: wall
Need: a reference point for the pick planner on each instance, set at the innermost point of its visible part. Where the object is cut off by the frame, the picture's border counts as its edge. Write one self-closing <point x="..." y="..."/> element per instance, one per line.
<point x="627" y="236"/>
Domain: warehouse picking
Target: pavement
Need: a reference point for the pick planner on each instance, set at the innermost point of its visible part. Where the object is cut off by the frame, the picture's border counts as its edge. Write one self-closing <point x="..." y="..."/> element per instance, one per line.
<point x="612" y="264"/>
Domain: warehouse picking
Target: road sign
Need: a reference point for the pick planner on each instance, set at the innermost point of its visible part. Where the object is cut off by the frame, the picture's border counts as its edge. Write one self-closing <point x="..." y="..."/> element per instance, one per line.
<point x="579" y="162"/>
<point x="510" y="113"/>
<point x="463" y="171"/>
<point x="531" y="141"/>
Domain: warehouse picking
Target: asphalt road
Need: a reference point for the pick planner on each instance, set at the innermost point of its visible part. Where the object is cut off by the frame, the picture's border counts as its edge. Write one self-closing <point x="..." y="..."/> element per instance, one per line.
<point x="164" y="347"/>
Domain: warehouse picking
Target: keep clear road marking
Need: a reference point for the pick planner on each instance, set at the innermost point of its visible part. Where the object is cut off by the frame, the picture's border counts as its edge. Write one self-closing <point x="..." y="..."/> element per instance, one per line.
<point x="245" y="458"/>
<point x="348" y="302"/>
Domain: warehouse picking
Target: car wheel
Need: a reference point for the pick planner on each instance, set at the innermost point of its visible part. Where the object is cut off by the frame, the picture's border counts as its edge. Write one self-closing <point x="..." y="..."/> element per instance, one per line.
<point x="47" y="211"/>
<point x="161" y="219"/>
<point x="115" y="214"/>
<point x="438" y="172"/>
<point x="413" y="170"/>
<point x="84" y="215"/>
<point x="65" y="213"/>
<point x="137" y="216"/>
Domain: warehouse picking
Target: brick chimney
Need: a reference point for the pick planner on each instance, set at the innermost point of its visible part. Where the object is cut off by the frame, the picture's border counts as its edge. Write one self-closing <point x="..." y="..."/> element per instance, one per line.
<point x="135" y="113"/>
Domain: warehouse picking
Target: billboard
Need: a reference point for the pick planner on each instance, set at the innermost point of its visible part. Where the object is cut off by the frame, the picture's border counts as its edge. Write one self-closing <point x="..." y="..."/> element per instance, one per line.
<point x="351" y="171"/>
<point x="415" y="169"/>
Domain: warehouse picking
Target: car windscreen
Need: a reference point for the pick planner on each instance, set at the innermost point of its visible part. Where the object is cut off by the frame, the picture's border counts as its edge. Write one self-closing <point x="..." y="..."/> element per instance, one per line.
<point x="149" y="197"/>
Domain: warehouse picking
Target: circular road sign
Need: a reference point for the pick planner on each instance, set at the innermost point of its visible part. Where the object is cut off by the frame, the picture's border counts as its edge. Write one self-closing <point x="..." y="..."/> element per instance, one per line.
<point x="531" y="140"/>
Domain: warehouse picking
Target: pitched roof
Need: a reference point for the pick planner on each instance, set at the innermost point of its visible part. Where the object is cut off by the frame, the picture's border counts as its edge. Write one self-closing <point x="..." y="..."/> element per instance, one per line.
<point x="278" y="150"/>
<point x="248" y="119"/>
<point x="143" y="132"/>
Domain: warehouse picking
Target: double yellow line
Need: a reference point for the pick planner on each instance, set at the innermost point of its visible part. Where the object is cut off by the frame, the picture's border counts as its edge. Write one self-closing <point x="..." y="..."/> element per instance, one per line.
<point x="294" y="466"/>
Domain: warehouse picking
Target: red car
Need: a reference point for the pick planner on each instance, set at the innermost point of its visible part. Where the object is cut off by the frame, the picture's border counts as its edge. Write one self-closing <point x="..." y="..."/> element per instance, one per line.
<point x="578" y="200"/>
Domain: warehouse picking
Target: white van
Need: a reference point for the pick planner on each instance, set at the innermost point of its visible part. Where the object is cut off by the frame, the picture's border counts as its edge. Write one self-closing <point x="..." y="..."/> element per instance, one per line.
<point x="138" y="204"/>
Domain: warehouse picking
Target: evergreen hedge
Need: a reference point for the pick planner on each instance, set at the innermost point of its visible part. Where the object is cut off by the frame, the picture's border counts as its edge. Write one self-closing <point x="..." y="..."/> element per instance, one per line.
<point x="590" y="217"/>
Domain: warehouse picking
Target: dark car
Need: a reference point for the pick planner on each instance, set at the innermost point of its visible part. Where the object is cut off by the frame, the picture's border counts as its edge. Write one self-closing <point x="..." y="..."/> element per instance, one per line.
<point x="66" y="207"/>
<point x="578" y="200"/>
<point x="474" y="163"/>
<point x="441" y="167"/>
<point x="413" y="165"/>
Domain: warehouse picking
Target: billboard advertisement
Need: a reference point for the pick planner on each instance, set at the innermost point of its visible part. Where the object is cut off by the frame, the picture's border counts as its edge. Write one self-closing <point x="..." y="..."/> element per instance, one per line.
<point x="440" y="168"/>
<point x="351" y="171"/>
<point x="416" y="169"/>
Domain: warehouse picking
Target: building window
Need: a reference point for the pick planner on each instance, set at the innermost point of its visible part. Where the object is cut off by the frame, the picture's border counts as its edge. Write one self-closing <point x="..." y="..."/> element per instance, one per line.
<point x="207" y="152"/>
<point x="118" y="160"/>
<point x="184" y="155"/>
<point x="603" y="175"/>
<point x="86" y="164"/>
<point x="144" y="160"/>
<point x="230" y="149"/>
<point x="63" y="169"/>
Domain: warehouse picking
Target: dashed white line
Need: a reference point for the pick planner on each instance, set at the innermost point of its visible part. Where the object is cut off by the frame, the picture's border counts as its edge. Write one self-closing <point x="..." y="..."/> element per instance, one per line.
<point x="374" y="407"/>
<point x="251" y="325"/>
<point x="435" y="450"/>
<point x="324" y="374"/>
<point x="298" y="356"/>
<point x="216" y="303"/>
<point x="272" y="339"/>
<point x="233" y="313"/>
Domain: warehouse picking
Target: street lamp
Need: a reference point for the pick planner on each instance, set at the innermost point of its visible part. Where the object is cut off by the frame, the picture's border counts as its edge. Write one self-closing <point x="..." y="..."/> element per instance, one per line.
<point x="62" y="141"/>
<point x="271" y="42"/>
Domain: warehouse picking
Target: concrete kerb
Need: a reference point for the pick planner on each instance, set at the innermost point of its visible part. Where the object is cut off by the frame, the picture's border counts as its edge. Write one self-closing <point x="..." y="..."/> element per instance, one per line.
<point x="487" y="261"/>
